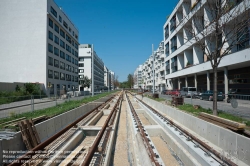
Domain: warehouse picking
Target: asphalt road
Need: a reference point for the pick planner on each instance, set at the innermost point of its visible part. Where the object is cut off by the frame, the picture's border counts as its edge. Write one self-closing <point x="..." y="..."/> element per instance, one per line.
<point x="243" y="109"/>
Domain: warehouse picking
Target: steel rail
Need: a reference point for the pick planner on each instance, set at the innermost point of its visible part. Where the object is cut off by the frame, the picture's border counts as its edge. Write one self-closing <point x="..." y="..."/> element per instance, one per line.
<point x="94" y="147"/>
<point x="151" y="153"/>
<point x="203" y="144"/>
<point x="19" y="161"/>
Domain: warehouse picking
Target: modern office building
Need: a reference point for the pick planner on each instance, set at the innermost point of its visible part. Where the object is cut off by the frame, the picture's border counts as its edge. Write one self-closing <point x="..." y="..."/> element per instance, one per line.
<point x="107" y="78"/>
<point x="86" y="55"/>
<point x="39" y="44"/>
<point x="185" y="64"/>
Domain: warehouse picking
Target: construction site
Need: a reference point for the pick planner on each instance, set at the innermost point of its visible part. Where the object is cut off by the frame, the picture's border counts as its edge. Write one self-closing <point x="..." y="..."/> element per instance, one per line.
<point x="125" y="128"/>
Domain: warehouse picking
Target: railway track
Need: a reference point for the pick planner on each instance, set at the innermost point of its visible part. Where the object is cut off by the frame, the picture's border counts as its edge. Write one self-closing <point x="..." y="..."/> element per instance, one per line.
<point x="92" y="139"/>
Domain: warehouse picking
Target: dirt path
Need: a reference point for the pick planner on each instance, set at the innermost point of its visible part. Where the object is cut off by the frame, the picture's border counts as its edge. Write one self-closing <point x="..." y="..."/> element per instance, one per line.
<point x="143" y="119"/>
<point x="165" y="153"/>
<point x="121" y="149"/>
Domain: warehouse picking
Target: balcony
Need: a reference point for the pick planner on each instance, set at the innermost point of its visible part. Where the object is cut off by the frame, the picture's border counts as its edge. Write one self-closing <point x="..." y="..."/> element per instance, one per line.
<point x="162" y="56"/>
<point x="173" y="64"/>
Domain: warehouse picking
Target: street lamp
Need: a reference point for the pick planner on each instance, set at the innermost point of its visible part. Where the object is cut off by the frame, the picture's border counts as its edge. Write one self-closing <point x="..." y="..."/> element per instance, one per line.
<point x="92" y="54"/>
<point x="153" y="68"/>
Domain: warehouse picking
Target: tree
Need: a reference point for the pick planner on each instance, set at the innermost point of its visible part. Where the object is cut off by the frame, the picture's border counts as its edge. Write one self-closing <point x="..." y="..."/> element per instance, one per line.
<point x="85" y="82"/>
<point x="223" y="31"/>
<point x="130" y="81"/>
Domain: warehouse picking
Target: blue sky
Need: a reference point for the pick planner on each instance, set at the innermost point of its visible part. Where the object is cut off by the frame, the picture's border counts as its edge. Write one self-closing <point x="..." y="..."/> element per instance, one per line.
<point x="122" y="31"/>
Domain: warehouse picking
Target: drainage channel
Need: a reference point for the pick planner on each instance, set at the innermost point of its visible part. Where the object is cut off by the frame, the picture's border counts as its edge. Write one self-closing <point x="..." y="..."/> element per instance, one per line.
<point x="84" y="142"/>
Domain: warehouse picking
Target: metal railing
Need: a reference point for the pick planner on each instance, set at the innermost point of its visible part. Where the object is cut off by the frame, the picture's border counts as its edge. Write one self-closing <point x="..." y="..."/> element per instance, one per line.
<point x="14" y="105"/>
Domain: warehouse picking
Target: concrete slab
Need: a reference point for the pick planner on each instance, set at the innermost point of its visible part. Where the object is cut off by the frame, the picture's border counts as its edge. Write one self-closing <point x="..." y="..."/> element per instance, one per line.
<point x="91" y="131"/>
<point x="243" y="149"/>
<point x="58" y="123"/>
<point x="50" y="126"/>
<point x="42" y="131"/>
<point x="106" y="112"/>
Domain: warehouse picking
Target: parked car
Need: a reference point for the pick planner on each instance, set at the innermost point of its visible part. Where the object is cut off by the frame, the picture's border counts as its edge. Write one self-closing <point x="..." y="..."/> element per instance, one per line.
<point x="168" y="92"/>
<point x="188" y="92"/>
<point x="175" y="92"/>
<point x="163" y="92"/>
<point x="208" y="95"/>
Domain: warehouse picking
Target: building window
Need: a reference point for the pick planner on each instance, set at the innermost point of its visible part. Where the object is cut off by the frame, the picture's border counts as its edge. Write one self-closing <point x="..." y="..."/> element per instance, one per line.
<point x="57" y="28"/>
<point x="60" y="18"/>
<point x="56" y="51"/>
<point x="76" y="62"/>
<point x="68" y="58"/>
<point x="68" y="77"/>
<point x="50" y="48"/>
<point x="81" y="71"/>
<point x="62" y="33"/>
<point x="68" y="38"/>
<point x="73" y="60"/>
<point x="72" y="78"/>
<point x="62" y="76"/>
<point x="73" y="51"/>
<point x="76" y="45"/>
<point x="76" y="36"/>
<point x="65" y="24"/>
<point x="62" y="54"/>
<point x="76" y="54"/>
<point x="56" y="75"/>
<point x="53" y="11"/>
<point x="56" y="63"/>
<point x="67" y="67"/>
<point x="73" y="69"/>
<point x="50" y="23"/>
<point x="68" y="48"/>
<point x="62" y="44"/>
<point x="76" y="79"/>
<point x="73" y="43"/>
<point x="50" y="73"/>
<point x="81" y="65"/>
<point x="56" y="40"/>
<point x="73" y="33"/>
<point x="62" y="65"/>
<point x="50" y="61"/>
<point x="50" y="35"/>
<point x="76" y="70"/>
<point x="69" y="29"/>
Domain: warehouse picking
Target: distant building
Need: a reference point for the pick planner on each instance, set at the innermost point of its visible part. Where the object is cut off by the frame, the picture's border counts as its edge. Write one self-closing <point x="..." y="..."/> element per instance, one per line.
<point x="112" y="79"/>
<point x="107" y="78"/>
<point x="85" y="67"/>
<point x="39" y="44"/>
<point x="138" y="80"/>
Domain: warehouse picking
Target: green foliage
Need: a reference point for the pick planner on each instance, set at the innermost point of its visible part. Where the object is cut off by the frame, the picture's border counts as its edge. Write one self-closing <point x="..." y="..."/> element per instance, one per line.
<point x="85" y="82"/>
<point x="20" y="93"/>
<point x="189" y="108"/>
<point x="56" y="110"/>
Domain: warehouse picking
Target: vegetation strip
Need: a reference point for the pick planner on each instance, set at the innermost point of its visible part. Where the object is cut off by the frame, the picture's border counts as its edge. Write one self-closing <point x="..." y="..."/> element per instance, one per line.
<point x="56" y="110"/>
<point x="190" y="109"/>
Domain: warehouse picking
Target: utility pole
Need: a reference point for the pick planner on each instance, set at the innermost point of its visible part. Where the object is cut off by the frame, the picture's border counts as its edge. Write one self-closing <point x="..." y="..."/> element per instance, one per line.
<point x="92" y="73"/>
<point x="153" y="68"/>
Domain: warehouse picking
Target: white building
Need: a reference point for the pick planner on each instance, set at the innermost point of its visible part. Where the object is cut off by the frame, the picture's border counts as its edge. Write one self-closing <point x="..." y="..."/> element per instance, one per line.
<point x="112" y="80"/>
<point x="185" y="64"/>
<point x="138" y="80"/>
<point x="85" y="67"/>
<point x="107" y="78"/>
<point x="39" y="44"/>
